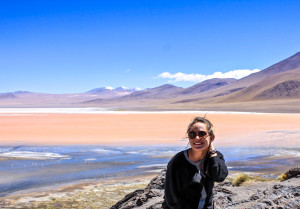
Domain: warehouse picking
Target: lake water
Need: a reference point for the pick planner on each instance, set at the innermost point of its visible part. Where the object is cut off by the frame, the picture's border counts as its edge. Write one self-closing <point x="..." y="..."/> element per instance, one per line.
<point x="27" y="167"/>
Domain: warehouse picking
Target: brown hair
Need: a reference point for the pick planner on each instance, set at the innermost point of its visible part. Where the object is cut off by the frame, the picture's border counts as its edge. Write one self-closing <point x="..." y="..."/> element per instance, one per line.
<point x="202" y="120"/>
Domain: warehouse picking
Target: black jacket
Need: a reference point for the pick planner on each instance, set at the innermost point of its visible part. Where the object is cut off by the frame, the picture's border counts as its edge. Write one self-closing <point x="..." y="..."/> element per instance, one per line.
<point x="180" y="190"/>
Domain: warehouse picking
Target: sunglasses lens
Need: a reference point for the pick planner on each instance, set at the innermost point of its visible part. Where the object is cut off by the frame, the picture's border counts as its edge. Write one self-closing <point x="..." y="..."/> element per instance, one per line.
<point x="192" y="134"/>
<point x="202" y="133"/>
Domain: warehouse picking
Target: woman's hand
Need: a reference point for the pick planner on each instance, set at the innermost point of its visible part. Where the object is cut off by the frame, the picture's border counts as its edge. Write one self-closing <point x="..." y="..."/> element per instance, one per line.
<point x="211" y="148"/>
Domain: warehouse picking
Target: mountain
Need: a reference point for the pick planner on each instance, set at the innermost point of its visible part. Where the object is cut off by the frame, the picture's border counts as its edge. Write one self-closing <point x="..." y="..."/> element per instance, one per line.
<point x="280" y="67"/>
<point x="109" y="92"/>
<point x="208" y="85"/>
<point x="290" y="88"/>
<point x="7" y="96"/>
<point x="290" y="63"/>
<point x="158" y="92"/>
<point x="170" y="91"/>
<point x="32" y="99"/>
<point x="276" y="86"/>
<point x="22" y="92"/>
<point x="138" y="98"/>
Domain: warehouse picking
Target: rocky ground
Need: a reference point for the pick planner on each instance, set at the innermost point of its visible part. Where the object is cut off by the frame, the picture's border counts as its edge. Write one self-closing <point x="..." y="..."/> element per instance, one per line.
<point x="140" y="194"/>
<point x="268" y="194"/>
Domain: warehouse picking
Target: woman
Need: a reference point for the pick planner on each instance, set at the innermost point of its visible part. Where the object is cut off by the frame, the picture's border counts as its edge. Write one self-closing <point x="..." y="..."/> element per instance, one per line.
<point x="191" y="173"/>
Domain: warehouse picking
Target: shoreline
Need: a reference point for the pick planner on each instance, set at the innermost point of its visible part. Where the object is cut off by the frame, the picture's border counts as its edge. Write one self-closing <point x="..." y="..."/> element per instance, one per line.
<point x="84" y="189"/>
<point x="76" y="185"/>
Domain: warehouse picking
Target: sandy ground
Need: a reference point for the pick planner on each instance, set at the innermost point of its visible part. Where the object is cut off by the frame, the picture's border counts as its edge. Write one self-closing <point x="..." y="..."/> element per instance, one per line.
<point x="139" y="129"/>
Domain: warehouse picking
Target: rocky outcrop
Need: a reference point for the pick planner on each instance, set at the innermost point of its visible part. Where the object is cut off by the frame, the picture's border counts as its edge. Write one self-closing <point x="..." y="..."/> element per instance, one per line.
<point x="270" y="194"/>
<point x="279" y="195"/>
<point x="151" y="197"/>
<point x="293" y="172"/>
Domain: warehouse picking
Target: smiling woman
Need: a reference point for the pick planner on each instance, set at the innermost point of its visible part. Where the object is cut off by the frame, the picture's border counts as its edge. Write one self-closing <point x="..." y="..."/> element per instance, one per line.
<point x="191" y="173"/>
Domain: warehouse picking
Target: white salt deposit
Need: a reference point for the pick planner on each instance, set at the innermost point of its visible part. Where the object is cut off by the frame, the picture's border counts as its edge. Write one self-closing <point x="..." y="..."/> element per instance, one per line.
<point x="32" y="155"/>
<point x="105" y="151"/>
<point x="153" y="165"/>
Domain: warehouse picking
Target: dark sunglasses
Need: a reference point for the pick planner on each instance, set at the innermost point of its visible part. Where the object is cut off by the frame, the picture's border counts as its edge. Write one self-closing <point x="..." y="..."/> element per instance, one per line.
<point x="201" y="134"/>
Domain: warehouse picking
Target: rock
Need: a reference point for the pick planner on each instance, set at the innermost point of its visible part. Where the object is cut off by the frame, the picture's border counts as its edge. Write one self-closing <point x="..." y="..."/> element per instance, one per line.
<point x="151" y="197"/>
<point x="268" y="202"/>
<point x="139" y="202"/>
<point x="294" y="172"/>
<point x="271" y="194"/>
<point x="254" y="197"/>
<point x="127" y="201"/>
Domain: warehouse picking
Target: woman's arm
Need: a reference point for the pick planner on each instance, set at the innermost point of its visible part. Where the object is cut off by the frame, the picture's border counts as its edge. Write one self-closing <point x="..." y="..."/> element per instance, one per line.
<point x="217" y="168"/>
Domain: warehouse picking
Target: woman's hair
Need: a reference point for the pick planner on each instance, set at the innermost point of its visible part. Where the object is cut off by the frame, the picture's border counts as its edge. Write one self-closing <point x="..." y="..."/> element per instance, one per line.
<point x="202" y="120"/>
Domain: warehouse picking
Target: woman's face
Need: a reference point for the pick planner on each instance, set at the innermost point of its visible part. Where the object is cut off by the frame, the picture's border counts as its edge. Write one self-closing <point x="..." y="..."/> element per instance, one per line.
<point x="199" y="142"/>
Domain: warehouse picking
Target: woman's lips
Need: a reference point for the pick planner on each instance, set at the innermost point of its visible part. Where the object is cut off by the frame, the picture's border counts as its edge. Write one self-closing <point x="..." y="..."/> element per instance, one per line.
<point x="198" y="144"/>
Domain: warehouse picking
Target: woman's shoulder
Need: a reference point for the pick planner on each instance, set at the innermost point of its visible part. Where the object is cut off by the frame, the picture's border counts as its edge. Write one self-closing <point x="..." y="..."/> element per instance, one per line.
<point x="220" y="154"/>
<point x="177" y="158"/>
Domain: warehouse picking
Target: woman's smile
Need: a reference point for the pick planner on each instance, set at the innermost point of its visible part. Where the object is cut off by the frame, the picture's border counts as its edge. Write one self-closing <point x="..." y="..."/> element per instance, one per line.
<point x="198" y="144"/>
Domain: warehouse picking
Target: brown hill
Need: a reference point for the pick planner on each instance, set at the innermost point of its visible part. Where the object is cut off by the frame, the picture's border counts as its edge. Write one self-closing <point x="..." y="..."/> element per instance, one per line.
<point x="280" y="84"/>
<point x="290" y="88"/>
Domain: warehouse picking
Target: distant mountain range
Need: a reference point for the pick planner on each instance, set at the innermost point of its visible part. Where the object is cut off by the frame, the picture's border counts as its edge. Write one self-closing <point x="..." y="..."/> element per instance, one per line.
<point x="109" y="92"/>
<point x="33" y="99"/>
<point x="274" y="89"/>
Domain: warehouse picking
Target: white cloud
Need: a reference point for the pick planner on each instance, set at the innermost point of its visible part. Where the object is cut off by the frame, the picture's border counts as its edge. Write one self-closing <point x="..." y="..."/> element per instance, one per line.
<point x="238" y="74"/>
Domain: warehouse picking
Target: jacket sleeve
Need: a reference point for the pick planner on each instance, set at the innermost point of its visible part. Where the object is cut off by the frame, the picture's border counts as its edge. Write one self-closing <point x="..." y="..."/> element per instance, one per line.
<point x="173" y="199"/>
<point x="217" y="168"/>
<point x="171" y="193"/>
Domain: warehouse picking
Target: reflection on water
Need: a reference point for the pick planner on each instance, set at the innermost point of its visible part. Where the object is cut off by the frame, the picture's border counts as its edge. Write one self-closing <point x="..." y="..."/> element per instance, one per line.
<point x="26" y="167"/>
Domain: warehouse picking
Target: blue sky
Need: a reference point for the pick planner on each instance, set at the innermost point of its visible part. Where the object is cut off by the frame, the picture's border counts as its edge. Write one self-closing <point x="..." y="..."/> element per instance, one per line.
<point x="74" y="46"/>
